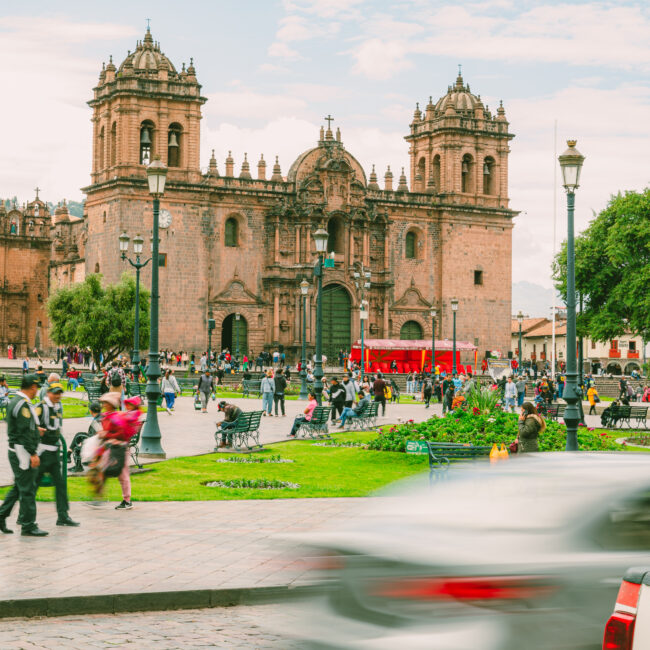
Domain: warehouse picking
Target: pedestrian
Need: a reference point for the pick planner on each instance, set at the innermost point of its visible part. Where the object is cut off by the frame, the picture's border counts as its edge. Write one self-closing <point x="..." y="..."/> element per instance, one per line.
<point x="350" y="391"/>
<point x="268" y="389"/>
<point x="52" y="378"/>
<point x="521" y="390"/>
<point x="356" y="411"/>
<point x="278" y="395"/>
<point x="510" y="395"/>
<point x="306" y="416"/>
<point x="170" y="389"/>
<point x="448" y="398"/>
<point x="23" y="430"/>
<point x="51" y="419"/>
<point x="409" y="383"/>
<point x="622" y="388"/>
<point x="427" y="390"/>
<point x="204" y="388"/>
<point x="593" y="397"/>
<point x="4" y="392"/>
<point x="531" y="425"/>
<point x="379" y="390"/>
<point x="231" y="413"/>
<point x="25" y="365"/>
<point x="337" y="397"/>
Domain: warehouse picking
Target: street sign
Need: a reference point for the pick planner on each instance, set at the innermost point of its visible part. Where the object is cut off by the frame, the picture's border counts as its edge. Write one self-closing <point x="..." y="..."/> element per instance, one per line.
<point x="416" y="447"/>
<point x="328" y="263"/>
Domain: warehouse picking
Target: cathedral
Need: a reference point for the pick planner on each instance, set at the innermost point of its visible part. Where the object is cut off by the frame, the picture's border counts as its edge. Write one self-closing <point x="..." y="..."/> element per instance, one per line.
<point x="236" y="243"/>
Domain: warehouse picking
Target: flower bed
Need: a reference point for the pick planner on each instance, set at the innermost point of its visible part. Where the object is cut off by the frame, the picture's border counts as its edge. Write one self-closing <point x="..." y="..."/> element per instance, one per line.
<point x="275" y="458"/>
<point x="253" y="484"/>
<point x="473" y="427"/>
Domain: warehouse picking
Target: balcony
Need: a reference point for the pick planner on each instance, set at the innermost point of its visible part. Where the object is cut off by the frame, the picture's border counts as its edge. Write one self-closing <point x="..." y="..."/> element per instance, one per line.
<point x="614" y="354"/>
<point x="632" y="354"/>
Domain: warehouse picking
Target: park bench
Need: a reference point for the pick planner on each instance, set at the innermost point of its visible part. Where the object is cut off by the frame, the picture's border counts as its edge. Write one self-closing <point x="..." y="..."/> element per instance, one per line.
<point x="317" y="426"/>
<point x="245" y="431"/>
<point x="187" y="384"/>
<point x="367" y="419"/>
<point x="639" y="415"/>
<point x="135" y="389"/>
<point x="93" y="392"/>
<point x="441" y="454"/>
<point x="85" y="377"/>
<point x="133" y="446"/>
<point x="251" y="386"/>
<point x="618" y="415"/>
<point x="555" y="411"/>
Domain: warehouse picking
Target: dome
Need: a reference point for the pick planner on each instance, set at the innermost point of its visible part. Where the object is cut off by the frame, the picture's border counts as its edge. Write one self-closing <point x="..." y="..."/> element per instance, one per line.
<point x="147" y="58"/>
<point x="458" y="97"/>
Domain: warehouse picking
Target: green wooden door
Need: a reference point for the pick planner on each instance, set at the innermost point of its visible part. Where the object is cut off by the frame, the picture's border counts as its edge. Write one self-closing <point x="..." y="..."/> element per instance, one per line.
<point x="336" y="321"/>
<point x="411" y="331"/>
<point x="229" y="335"/>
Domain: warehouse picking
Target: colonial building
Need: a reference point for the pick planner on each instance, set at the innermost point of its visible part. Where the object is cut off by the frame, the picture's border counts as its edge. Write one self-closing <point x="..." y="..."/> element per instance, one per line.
<point x="240" y="242"/>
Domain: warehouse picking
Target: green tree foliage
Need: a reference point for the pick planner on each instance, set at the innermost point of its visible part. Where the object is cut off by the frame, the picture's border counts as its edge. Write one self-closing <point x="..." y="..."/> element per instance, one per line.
<point x="613" y="269"/>
<point x="101" y="318"/>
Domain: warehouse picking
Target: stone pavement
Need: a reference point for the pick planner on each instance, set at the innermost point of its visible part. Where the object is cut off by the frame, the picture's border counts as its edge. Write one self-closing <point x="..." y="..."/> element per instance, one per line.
<point x="242" y="627"/>
<point x="189" y="433"/>
<point x="163" y="547"/>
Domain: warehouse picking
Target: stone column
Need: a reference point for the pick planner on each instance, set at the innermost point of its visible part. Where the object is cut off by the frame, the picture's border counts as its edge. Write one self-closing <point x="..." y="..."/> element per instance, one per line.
<point x="386" y="332"/>
<point x="276" y="243"/>
<point x="297" y="251"/>
<point x="276" y="315"/>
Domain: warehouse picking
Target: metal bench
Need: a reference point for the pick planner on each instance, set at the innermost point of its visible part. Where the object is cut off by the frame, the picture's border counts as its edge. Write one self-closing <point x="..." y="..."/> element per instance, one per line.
<point x="93" y="392"/>
<point x="317" y="427"/>
<point x="367" y="419"/>
<point x="133" y="447"/>
<point x="187" y="383"/>
<point x="251" y="386"/>
<point x="245" y="431"/>
<point x="620" y="415"/>
<point x="135" y="389"/>
<point x="555" y="411"/>
<point x="441" y="454"/>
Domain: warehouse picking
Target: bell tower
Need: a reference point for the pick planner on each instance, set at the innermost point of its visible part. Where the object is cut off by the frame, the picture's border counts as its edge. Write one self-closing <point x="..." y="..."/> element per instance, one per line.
<point x="458" y="147"/>
<point x="144" y="109"/>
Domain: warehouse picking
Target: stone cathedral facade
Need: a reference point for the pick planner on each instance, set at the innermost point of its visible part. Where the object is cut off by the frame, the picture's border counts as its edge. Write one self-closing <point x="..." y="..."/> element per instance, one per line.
<point x="240" y="241"/>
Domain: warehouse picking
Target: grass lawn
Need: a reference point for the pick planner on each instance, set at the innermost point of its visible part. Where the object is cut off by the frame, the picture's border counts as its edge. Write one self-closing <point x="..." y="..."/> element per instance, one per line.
<point x="320" y="472"/>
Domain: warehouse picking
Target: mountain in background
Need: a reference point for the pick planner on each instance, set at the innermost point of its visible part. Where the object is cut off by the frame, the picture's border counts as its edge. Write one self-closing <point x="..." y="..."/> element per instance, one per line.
<point x="76" y="208"/>
<point x="533" y="300"/>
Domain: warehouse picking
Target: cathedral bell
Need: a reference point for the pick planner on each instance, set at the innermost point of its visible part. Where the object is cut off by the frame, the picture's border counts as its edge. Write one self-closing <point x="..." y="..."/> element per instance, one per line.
<point x="465" y="167"/>
<point x="486" y="169"/>
<point x="145" y="138"/>
<point x="173" y="140"/>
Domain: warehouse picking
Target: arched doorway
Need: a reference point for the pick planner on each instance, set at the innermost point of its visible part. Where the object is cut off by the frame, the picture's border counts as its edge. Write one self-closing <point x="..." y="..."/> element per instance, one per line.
<point x="613" y="368"/>
<point x="234" y="331"/>
<point x="411" y="331"/>
<point x="336" y="320"/>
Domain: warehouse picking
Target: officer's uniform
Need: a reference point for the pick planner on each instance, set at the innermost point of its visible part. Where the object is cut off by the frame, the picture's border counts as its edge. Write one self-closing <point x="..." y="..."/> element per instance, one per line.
<point x="24" y="437"/>
<point x="51" y="419"/>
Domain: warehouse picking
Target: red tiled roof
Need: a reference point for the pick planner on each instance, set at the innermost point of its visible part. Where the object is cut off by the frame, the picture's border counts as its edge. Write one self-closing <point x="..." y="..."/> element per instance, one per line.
<point x="547" y="330"/>
<point x="527" y="324"/>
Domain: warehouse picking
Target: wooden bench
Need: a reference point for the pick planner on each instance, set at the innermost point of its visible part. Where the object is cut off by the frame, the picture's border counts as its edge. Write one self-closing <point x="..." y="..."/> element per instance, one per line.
<point x="245" y="431"/>
<point x="317" y="427"/>
<point x="619" y="415"/>
<point x="441" y="454"/>
<point x="639" y="414"/>
<point x="251" y="386"/>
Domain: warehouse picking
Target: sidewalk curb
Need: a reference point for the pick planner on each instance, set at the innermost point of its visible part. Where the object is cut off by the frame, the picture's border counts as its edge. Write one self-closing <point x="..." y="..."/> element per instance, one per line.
<point x="148" y="601"/>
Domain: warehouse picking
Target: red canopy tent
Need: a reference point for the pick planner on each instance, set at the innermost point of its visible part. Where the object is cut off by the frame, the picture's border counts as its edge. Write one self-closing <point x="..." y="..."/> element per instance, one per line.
<point x="410" y="356"/>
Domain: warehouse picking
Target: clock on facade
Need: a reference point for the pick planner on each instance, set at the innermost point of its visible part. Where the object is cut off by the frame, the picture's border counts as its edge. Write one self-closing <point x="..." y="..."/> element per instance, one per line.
<point x="165" y="219"/>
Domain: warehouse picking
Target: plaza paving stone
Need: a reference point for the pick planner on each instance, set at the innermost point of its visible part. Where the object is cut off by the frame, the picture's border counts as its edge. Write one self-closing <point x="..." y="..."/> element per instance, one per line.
<point x="232" y="627"/>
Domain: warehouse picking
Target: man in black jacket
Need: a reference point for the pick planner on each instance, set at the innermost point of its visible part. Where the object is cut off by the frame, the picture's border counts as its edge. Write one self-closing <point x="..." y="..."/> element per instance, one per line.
<point x="280" y="386"/>
<point x="337" y="398"/>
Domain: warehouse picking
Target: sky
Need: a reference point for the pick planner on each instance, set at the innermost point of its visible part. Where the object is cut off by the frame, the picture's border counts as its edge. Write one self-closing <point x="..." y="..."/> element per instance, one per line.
<point x="272" y="69"/>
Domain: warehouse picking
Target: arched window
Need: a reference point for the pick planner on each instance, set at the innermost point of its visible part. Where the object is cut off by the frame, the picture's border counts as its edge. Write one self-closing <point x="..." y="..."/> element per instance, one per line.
<point x="97" y="267"/>
<point x="421" y="175"/>
<point x="146" y="142"/>
<point x="113" y="143"/>
<point x="488" y="176"/>
<point x="411" y="247"/>
<point x="411" y="331"/>
<point x="436" y="171"/>
<point x="100" y="146"/>
<point x="232" y="233"/>
<point x="174" y="137"/>
<point x="467" y="164"/>
<point x="336" y="232"/>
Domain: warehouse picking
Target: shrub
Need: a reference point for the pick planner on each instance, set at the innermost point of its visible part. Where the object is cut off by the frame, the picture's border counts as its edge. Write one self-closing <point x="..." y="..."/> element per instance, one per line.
<point x="482" y="398"/>
<point x="485" y="429"/>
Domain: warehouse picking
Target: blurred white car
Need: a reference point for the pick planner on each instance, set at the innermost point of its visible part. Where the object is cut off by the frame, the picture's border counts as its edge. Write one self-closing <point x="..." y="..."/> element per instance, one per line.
<point x="523" y="555"/>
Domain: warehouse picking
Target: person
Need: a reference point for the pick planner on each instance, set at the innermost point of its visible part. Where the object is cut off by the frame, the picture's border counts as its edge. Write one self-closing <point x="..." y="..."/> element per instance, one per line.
<point x="268" y="388"/>
<point x="521" y="390"/>
<point x="51" y="419"/>
<point x="306" y="416"/>
<point x="204" y="388"/>
<point x="25" y="365"/>
<point x="23" y="429"/>
<point x="409" y="383"/>
<point x="592" y="394"/>
<point x="531" y="426"/>
<point x="116" y="369"/>
<point x="337" y="397"/>
<point x="231" y="413"/>
<point x="40" y="374"/>
<point x="622" y="388"/>
<point x="393" y="366"/>
<point x="4" y="392"/>
<point x="74" y="449"/>
<point x="510" y="395"/>
<point x="278" y="394"/>
<point x="169" y="388"/>
<point x="427" y="390"/>
<point x="220" y="373"/>
<point x="457" y="382"/>
<point x="379" y="390"/>
<point x="356" y="411"/>
<point x="448" y="398"/>
<point x="350" y="391"/>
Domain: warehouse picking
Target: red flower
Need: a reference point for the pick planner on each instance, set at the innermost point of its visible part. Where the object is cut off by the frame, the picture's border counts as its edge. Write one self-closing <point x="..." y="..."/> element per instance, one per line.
<point x="603" y="434"/>
<point x="476" y="410"/>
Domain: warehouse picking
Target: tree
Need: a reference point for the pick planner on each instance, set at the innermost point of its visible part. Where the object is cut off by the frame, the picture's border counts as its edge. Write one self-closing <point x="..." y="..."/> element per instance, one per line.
<point x="613" y="269"/>
<point x="98" y="317"/>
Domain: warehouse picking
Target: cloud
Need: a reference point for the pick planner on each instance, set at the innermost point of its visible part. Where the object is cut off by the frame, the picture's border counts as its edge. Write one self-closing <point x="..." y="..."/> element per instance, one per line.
<point x="283" y="51"/>
<point x="340" y="9"/>
<point x="246" y="104"/>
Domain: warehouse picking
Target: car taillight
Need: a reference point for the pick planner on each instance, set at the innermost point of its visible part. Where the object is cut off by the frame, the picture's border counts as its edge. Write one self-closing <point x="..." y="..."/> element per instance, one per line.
<point x="465" y="589"/>
<point x="619" y="632"/>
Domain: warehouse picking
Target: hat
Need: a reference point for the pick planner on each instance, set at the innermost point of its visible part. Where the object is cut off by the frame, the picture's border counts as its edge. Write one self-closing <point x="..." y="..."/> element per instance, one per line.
<point x="222" y="405"/>
<point x="55" y="387"/>
<point x="28" y="381"/>
<point x="112" y="398"/>
<point x="133" y="401"/>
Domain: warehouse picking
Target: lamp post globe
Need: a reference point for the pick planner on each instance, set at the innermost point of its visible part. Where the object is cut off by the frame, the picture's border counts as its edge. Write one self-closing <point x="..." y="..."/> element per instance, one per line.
<point x="454" y="309"/>
<point x="571" y="164"/>
<point x="304" y="290"/>
<point x="320" y="241"/>
<point x="150" y="440"/>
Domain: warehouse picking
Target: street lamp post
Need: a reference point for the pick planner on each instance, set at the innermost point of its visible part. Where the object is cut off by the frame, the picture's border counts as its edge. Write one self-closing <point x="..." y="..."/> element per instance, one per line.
<point x="571" y="163"/>
<point x="520" y="319"/>
<point x="211" y="326"/>
<point x="362" y="282"/>
<point x="320" y="239"/>
<point x="150" y="441"/>
<point x="237" y="317"/>
<point x="454" y="309"/>
<point x="433" y="313"/>
<point x="304" y="290"/>
<point x="137" y="265"/>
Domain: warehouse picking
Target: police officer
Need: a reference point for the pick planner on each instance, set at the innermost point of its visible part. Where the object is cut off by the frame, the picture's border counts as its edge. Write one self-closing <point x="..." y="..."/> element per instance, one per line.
<point x="51" y="419"/>
<point x="24" y="436"/>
